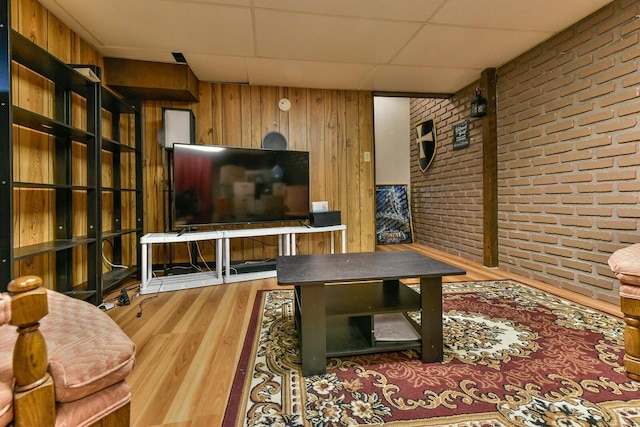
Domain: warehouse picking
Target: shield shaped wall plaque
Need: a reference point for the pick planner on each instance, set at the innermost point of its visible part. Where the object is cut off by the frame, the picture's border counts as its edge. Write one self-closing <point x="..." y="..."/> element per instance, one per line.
<point x="426" y="141"/>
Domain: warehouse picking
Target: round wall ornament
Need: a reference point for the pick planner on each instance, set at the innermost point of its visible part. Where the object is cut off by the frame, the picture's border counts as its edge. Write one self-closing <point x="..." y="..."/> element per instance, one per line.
<point x="284" y="104"/>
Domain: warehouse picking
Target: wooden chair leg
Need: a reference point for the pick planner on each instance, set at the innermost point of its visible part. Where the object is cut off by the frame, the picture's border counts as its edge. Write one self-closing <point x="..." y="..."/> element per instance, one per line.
<point x="631" y="309"/>
<point x="119" y="418"/>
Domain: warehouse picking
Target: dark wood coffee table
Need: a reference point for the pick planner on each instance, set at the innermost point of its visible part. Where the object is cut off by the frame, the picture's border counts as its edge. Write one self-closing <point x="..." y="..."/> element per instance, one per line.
<point x="337" y="295"/>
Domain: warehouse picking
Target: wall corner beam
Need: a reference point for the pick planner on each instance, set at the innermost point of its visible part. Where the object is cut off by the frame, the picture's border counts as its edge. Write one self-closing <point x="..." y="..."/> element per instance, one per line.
<point x="490" y="169"/>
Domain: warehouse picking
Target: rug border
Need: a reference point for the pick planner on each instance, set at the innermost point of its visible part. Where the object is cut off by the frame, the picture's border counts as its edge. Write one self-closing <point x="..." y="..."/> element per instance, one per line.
<point x="246" y="353"/>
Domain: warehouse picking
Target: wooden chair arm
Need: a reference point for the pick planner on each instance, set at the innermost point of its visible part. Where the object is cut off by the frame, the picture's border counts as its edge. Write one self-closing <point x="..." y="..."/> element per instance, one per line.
<point x="34" y="395"/>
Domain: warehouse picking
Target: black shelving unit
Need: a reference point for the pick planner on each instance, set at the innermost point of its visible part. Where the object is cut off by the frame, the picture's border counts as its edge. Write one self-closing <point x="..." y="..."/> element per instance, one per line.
<point x="66" y="187"/>
<point x="76" y="193"/>
<point x="123" y="195"/>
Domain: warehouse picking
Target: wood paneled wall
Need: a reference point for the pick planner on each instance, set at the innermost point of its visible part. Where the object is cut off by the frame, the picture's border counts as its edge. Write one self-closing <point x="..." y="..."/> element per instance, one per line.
<point x="334" y="126"/>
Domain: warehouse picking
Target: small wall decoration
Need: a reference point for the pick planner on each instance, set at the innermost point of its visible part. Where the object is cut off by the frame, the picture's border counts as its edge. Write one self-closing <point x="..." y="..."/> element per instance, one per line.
<point x="479" y="105"/>
<point x="393" y="215"/>
<point x="426" y="141"/>
<point x="461" y="135"/>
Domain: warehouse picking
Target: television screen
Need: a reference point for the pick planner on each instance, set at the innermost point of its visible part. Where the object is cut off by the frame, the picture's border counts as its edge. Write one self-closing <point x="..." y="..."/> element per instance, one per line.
<point x="218" y="185"/>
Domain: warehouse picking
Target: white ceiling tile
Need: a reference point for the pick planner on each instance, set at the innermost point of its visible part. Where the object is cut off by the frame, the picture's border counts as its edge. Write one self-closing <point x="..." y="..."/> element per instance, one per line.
<point x="324" y="38"/>
<point x="408" y="10"/>
<point x="391" y="78"/>
<point x="446" y="46"/>
<point x="307" y="74"/>
<point x="213" y="68"/>
<point x="547" y="15"/>
<point x="175" y="26"/>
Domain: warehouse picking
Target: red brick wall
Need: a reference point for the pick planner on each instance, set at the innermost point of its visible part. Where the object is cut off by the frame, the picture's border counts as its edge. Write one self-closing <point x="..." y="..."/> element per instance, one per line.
<point x="568" y="158"/>
<point x="446" y="200"/>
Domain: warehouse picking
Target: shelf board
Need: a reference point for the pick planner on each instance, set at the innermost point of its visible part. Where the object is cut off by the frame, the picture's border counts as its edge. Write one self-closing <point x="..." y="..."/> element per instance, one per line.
<point x="123" y="190"/>
<point x="115" y="233"/>
<point x="32" y="56"/>
<point x="80" y="294"/>
<point x="115" y="146"/>
<point x="49" y="247"/>
<point x="369" y="298"/>
<point x="39" y="123"/>
<point x="115" y="104"/>
<point x="344" y="338"/>
<point x="45" y="186"/>
<point x="113" y="278"/>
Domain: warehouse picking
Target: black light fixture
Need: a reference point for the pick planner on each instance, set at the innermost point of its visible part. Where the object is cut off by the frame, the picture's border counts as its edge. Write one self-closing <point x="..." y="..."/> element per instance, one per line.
<point x="479" y="105"/>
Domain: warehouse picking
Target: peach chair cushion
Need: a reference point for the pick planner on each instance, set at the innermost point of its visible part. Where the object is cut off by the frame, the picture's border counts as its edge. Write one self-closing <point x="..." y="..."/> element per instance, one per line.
<point x="625" y="263"/>
<point x="5" y="308"/>
<point x="88" y="410"/>
<point x="629" y="291"/>
<point x="87" y="350"/>
<point x="6" y="389"/>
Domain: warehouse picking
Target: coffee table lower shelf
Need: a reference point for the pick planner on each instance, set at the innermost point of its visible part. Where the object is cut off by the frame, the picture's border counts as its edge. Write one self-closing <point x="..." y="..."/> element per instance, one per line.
<point x="346" y="337"/>
<point x="348" y="318"/>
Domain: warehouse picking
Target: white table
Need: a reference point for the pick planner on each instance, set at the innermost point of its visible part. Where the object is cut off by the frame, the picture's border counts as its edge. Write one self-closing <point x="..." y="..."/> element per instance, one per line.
<point x="152" y="284"/>
<point x="227" y="235"/>
<point x="331" y="228"/>
<point x="223" y="270"/>
<point x="286" y="246"/>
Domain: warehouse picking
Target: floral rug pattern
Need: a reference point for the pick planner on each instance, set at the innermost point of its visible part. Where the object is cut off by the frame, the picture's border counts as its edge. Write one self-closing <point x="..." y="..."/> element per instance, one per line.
<point x="513" y="356"/>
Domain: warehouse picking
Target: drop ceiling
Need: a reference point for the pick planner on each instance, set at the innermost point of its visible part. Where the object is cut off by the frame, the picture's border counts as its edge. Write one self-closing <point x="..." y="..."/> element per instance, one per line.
<point x="417" y="46"/>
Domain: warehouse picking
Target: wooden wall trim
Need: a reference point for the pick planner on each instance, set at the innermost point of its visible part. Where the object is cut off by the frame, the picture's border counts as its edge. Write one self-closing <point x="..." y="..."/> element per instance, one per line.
<point x="490" y="169"/>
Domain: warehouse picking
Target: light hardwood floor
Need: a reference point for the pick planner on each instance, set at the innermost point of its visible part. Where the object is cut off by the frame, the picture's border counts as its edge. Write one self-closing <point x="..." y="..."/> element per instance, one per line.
<point x="189" y="342"/>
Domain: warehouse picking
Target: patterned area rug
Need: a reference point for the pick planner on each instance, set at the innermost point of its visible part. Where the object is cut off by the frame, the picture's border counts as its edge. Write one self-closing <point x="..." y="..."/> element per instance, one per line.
<point x="514" y="356"/>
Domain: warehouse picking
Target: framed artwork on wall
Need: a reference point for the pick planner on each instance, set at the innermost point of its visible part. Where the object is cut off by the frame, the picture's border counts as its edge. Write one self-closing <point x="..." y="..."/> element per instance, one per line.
<point x="393" y="215"/>
<point x="461" y="135"/>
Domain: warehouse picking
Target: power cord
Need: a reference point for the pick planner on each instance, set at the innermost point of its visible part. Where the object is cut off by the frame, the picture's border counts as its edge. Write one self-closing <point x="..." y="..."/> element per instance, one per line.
<point x="146" y="300"/>
<point x="106" y="261"/>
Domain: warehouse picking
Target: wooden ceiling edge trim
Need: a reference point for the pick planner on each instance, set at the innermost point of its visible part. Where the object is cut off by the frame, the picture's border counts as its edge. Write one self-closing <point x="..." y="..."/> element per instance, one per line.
<point x="413" y="94"/>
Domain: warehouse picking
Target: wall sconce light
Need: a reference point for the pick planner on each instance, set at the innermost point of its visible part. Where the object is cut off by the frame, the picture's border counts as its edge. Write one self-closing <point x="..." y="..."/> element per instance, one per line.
<point x="479" y="105"/>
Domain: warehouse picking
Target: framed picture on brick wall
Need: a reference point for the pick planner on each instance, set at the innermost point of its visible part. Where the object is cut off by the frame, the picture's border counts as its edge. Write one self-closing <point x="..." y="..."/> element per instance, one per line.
<point x="393" y="215"/>
<point x="461" y="135"/>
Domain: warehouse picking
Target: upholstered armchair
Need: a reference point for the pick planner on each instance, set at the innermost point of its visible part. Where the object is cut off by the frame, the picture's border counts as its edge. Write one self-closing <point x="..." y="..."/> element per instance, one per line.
<point x="625" y="264"/>
<point x="66" y="363"/>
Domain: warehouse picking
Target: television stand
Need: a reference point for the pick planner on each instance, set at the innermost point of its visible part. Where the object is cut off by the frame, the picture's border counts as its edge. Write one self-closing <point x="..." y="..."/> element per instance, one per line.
<point x="223" y="265"/>
<point x="150" y="284"/>
<point x="286" y="247"/>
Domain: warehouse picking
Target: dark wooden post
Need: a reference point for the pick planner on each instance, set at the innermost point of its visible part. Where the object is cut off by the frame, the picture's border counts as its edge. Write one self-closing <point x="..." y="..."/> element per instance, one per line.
<point x="490" y="169"/>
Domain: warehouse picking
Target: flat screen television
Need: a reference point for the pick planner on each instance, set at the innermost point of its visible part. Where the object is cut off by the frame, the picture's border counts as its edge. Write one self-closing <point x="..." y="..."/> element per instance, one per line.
<point x="215" y="185"/>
